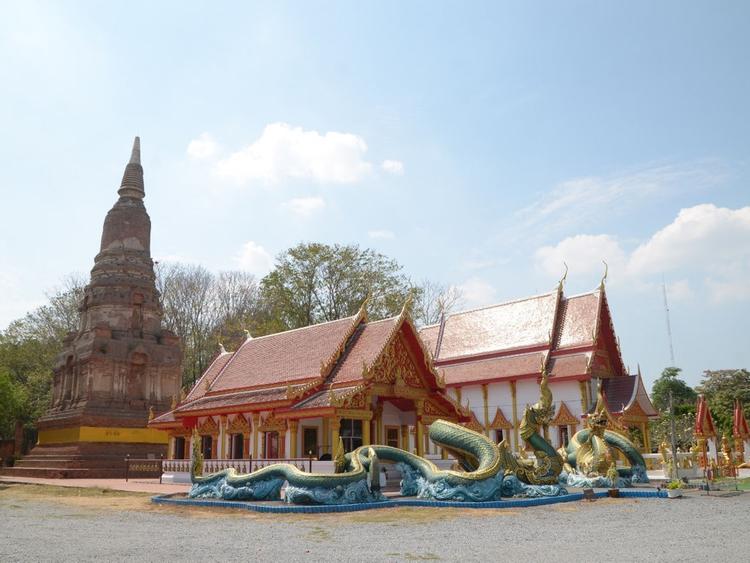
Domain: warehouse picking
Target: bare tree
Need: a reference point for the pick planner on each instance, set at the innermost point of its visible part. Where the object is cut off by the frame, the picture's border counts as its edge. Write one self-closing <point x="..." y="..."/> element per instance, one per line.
<point x="434" y="299"/>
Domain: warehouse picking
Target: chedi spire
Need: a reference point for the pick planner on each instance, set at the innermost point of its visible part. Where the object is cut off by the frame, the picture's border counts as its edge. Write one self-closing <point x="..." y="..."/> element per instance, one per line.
<point x="132" y="179"/>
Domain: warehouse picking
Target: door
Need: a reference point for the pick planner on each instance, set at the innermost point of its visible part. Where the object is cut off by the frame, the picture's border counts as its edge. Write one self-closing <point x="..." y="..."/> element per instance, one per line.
<point x="310" y="441"/>
<point x="272" y="445"/>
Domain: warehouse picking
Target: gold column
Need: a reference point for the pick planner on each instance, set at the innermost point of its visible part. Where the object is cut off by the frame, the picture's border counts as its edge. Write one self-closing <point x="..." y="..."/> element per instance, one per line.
<point x="379" y="423"/>
<point x="293" y="425"/>
<point x="325" y="447"/>
<point x="458" y="394"/>
<point x="405" y="437"/>
<point x="366" y="433"/>
<point x="646" y="438"/>
<point x="223" y="437"/>
<point x="420" y="431"/>
<point x="516" y="445"/>
<point x="335" y="424"/>
<point x="485" y="395"/>
<point x="170" y="447"/>
<point x="584" y="396"/>
<point x="256" y="423"/>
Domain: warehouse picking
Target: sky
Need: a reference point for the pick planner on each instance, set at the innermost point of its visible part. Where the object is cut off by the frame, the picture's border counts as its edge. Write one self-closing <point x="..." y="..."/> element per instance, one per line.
<point x="482" y="145"/>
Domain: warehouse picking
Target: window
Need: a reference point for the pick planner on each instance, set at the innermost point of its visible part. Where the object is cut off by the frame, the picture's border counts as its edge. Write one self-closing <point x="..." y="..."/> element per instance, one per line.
<point x="564" y="436"/>
<point x="237" y="446"/>
<point x="310" y="441"/>
<point x="179" y="447"/>
<point x="271" y="445"/>
<point x="391" y="436"/>
<point x="206" y="446"/>
<point x="499" y="435"/>
<point x="351" y="434"/>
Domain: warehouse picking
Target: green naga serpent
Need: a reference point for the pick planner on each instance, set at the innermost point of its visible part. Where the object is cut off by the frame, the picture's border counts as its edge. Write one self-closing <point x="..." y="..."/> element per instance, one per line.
<point x="487" y="470"/>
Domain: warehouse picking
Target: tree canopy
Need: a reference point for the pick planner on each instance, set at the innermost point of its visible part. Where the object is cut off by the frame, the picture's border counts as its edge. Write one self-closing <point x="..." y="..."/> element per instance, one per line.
<point x="721" y="388"/>
<point x="683" y="396"/>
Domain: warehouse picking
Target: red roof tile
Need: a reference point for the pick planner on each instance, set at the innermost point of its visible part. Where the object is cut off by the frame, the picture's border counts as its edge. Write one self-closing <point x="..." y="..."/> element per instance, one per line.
<point x="578" y="320"/>
<point x="284" y="357"/>
<point x="364" y="348"/>
<point x="234" y="399"/>
<point x="507" y="326"/>
<point x="494" y="368"/>
<point x="429" y="335"/>
<point x="568" y="366"/>
<point x="199" y="389"/>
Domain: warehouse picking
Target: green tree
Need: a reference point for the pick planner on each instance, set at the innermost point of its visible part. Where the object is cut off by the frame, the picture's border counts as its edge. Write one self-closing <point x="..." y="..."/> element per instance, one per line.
<point x="721" y="388"/>
<point x="11" y="400"/>
<point x="683" y="396"/>
<point x="313" y="283"/>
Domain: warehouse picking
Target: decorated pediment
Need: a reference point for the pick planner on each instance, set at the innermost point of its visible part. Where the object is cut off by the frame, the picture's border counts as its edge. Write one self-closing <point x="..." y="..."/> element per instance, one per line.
<point x="272" y="424"/>
<point x="500" y="422"/>
<point x="239" y="425"/>
<point x="395" y="366"/>
<point x="351" y="398"/>
<point x="208" y="427"/>
<point x="564" y="417"/>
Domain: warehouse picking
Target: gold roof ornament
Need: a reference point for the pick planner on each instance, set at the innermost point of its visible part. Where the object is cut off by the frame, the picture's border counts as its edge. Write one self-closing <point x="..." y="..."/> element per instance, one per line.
<point x="151" y="413"/>
<point x="604" y="277"/>
<point x="561" y="283"/>
<point x="173" y="405"/>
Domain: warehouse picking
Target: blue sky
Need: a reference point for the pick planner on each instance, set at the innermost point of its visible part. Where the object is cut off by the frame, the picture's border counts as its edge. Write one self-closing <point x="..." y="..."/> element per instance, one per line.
<point x="480" y="144"/>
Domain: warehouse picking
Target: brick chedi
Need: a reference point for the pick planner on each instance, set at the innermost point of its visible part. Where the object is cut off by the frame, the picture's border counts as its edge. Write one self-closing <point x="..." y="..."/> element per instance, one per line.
<point x="120" y="364"/>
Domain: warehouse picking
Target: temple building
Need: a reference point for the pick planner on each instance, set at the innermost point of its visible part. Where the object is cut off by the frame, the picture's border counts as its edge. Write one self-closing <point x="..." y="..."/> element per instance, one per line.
<point x="492" y="360"/>
<point x="120" y="365"/>
<point x="294" y="394"/>
<point x="740" y="433"/>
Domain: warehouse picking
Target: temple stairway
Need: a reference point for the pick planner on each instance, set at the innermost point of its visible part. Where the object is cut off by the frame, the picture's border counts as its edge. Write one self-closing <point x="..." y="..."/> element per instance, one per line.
<point x="83" y="460"/>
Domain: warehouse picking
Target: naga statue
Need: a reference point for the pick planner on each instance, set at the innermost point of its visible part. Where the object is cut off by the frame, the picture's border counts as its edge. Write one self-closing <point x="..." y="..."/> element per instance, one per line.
<point x="488" y="471"/>
<point x="592" y="452"/>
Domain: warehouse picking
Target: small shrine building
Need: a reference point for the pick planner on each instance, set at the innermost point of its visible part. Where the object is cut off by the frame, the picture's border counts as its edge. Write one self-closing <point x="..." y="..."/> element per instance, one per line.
<point x="492" y="360"/>
<point x="294" y="394"/>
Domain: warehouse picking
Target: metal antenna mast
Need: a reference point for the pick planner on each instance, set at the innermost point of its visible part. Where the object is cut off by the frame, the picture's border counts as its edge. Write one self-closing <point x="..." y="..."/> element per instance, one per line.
<point x="669" y="326"/>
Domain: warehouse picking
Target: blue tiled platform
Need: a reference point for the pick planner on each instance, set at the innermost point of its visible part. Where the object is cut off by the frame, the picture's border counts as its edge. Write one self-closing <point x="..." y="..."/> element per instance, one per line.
<point x="279" y="507"/>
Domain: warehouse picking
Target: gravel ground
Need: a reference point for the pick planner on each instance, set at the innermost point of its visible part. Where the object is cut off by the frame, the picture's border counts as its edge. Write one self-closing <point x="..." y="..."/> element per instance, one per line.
<point x="39" y="527"/>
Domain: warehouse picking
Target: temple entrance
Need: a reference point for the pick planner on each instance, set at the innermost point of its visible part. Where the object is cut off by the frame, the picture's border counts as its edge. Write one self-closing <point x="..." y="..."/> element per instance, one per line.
<point x="271" y="445"/>
<point x="237" y="446"/>
<point x="499" y="436"/>
<point x="206" y="446"/>
<point x="179" y="447"/>
<point x="392" y="436"/>
<point x="564" y="435"/>
<point x="310" y="441"/>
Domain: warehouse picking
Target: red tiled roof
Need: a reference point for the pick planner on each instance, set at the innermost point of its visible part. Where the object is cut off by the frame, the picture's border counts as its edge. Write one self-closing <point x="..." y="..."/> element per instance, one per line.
<point x="429" y="335"/>
<point x="164" y="418"/>
<point x="494" y="368"/>
<point x="365" y="347"/>
<point x="322" y="398"/>
<point x="199" y="389"/>
<point x="507" y="326"/>
<point x="578" y="320"/>
<point x="234" y="399"/>
<point x="284" y="357"/>
<point x="570" y="365"/>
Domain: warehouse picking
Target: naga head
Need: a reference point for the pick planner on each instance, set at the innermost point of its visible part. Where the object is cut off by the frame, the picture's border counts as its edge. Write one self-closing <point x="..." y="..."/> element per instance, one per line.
<point x="598" y="420"/>
<point x="544" y="409"/>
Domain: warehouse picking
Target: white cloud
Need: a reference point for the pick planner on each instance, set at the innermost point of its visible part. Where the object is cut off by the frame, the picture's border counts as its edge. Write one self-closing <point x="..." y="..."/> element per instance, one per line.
<point x="580" y="201"/>
<point x="704" y="243"/>
<point x="393" y="167"/>
<point x="381" y="234"/>
<point x="704" y="235"/>
<point x="283" y="151"/>
<point x="477" y="292"/>
<point x="254" y="258"/>
<point x="305" y="206"/>
<point x="203" y="147"/>
<point x="583" y="254"/>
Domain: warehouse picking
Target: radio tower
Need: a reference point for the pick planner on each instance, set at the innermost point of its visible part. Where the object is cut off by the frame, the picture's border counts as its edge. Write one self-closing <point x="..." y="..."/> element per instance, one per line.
<point x="669" y="326"/>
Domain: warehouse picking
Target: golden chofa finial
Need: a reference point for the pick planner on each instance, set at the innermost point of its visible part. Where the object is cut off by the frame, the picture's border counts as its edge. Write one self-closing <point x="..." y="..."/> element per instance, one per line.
<point x="604" y="277"/>
<point x="365" y="305"/>
<point x="151" y="413"/>
<point x="248" y="336"/>
<point x="561" y="283"/>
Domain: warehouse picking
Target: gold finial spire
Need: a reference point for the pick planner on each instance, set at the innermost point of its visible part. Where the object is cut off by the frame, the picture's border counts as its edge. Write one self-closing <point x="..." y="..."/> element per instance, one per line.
<point x="561" y="283"/>
<point x="604" y="277"/>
